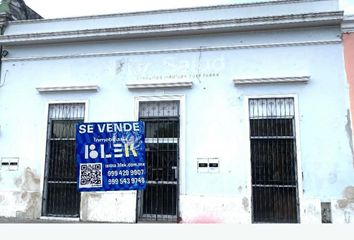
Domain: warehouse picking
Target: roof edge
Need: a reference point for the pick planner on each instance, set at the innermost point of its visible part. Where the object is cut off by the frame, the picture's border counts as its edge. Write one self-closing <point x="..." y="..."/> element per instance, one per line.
<point x="238" y="24"/>
<point x="161" y="11"/>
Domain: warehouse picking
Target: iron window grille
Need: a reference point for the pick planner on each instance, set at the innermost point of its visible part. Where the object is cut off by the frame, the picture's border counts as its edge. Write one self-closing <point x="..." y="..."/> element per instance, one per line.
<point x="273" y="160"/>
<point x="159" y="201"/>
<point x="60" y="195"/>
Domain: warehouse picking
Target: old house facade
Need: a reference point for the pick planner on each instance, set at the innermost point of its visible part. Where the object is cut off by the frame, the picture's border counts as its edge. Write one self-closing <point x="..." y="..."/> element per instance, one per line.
<point x="246" y="111"/>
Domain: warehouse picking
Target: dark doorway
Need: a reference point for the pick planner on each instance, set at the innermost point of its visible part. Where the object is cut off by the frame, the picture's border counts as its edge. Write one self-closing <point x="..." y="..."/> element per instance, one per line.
<point x="273" y="160"/>
<point x="60" y="195"/>
<point x="159" y="201"/>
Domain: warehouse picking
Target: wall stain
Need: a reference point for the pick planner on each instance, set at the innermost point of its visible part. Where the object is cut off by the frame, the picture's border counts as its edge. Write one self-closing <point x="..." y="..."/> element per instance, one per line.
<point x="239" y="189"/>
<point x="24" y="195"/>
<point x="119" y="66"/>
<point x="348" y="129"/>
<point x="29" y="186"/>
<point x="349" y="193"/>
<point x="33" y="205"/>
<point x="18" y="182"/>
<point x="33" y="208"/>
<point x="18" y="197"/>
<point x="245" y="203"/>
<point x="348" y="197"/>
<point x="29" y="181"/>
<point x="204" y="220"/>
<point x="2" y="198"/>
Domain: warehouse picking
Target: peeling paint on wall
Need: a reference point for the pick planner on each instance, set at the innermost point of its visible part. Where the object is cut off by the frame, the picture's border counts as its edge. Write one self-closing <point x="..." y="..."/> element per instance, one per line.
<point x="348" y="198"/>
<point x="343" y="203"/>
<point x="29" y="181"/>
<point x="348" y="129"/>
<point x="349" y="193"/>
<point x="33" y="205"/>
<point x="29" y="194"/>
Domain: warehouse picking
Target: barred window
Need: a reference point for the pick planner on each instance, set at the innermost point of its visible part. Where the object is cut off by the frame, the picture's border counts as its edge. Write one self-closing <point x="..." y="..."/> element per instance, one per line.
<point x="158" y="202"/>
<point x="273" y="160"/>
<point x="60" y="197"/>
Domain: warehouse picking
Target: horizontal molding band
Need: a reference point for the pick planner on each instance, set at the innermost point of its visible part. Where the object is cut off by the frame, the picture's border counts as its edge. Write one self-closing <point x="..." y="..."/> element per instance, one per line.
<point x="94" y="88"/>
<point x="348" y="24"/>
<point x="171" y="51"/>
<point x="147" y="85"/>
<point x="348" y="29"/>
<point x="292" y="79"/>
<point x="184" y="28"/>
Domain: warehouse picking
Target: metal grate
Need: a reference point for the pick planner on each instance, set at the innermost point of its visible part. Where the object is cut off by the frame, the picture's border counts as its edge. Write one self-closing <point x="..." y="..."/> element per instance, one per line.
<point x="60" y="196"/>
<point x="159" y="201"/>
<point x="273" y="160"/>
<point x="326" y="212"/>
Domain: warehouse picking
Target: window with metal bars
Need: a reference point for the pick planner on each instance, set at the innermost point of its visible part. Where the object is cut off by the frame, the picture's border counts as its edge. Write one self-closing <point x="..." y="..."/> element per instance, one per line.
<point x="273" y="160"/>
<point x="60" y="195"/>
<point x="159" y="202"/>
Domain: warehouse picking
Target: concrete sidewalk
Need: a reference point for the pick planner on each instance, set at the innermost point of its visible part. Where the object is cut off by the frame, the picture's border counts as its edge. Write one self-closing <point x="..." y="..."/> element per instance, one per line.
<point x="26" y="220"/>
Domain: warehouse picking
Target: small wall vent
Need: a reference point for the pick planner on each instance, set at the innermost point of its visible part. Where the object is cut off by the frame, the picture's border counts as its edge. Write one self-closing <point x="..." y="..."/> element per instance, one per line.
<point x="9" y="163"/>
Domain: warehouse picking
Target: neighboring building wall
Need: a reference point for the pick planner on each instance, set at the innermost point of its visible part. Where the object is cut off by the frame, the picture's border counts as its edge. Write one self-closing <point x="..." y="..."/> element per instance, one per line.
<point x="17" y="10"/>
<point x="214" y="111"/>
<point x="348" y="42"/>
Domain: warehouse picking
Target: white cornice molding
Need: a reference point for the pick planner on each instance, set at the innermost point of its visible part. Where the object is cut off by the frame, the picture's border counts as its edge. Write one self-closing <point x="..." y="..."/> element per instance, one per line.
<point x="163" y="11"/>
<point x="148" y="85"/>
<point x="93" y="88"/>
<point x="292" y="79"/>
<point x="348" y="24"/>
<point x="239" y="24"/>
<point x="172" y="51"/>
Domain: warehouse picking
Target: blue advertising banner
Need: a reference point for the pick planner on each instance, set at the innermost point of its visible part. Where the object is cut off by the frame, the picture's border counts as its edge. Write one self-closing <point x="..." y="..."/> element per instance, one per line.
<point x="110" y="156"/>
